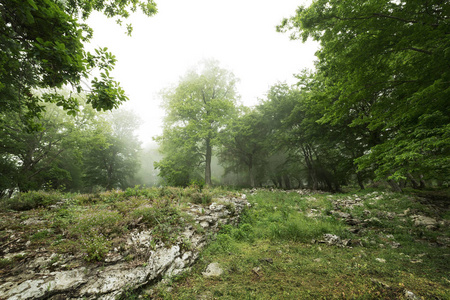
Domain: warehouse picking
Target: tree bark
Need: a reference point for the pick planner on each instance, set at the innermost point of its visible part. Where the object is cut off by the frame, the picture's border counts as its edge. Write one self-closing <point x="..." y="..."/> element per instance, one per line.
<point x="414" y="182"/>
<point x="250" y="172"/>
<point x="208" y="162"/>
<point x="394" y="185"/>
<point x="287" y="182"/>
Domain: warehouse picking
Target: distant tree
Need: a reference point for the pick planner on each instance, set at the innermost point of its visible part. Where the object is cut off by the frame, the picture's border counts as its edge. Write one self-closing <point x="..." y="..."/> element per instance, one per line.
<point x="147" y="174"/>
<point x="111" y="156"/>
<point x="201" y="104"/>
<point x="42" y="47"/>
<point x="386" y="67"/>
<point x="244" y="145"/>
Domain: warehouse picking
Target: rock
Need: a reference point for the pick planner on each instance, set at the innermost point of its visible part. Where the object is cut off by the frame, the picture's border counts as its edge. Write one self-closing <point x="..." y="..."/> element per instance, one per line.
<point x="213" y="270"/>
<point x="395" y="245"/>
<point x="257" y="270"/>
<point x="420" y="220"/>
<point x="410" y="295"/>
<point x="332" y="239"/>
<point x="266" y="260"/>
<point x="381" y="283"/>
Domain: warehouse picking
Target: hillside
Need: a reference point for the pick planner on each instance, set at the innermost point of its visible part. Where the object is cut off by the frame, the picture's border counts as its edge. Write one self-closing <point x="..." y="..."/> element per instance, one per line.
<point x="306" y="245"/>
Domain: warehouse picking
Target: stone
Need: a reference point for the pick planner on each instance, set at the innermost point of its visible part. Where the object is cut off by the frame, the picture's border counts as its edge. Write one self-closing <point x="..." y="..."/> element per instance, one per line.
<point x="420" y="220"/>
<point x="410" y="295"/>
<point x="213" y="270"/>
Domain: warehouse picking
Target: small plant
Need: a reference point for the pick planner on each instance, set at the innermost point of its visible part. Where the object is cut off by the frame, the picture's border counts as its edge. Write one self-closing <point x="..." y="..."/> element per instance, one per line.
<point x="33" y="199"/>
<point x="96" y="247"/>
<point x="5" y="262"/>
<point x="43" y="234"/>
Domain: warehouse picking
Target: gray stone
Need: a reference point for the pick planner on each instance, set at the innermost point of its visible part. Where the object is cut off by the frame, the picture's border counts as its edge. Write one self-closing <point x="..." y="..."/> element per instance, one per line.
<point x="410" y="295"/>
<point x="213" y="270"/>
<point x="420" y="220"/>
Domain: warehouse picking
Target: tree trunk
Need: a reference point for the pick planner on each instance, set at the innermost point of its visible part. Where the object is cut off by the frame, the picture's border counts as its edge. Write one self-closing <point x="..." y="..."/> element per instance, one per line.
<point x="414" y="182"/>
<point x="250" y="172"/>
<point x="395" y="187"/>
<point x="208" y="162"/>
<point x="360" y="180"/>
<point x="287" y="182"/>
<point x="422" y="182"/>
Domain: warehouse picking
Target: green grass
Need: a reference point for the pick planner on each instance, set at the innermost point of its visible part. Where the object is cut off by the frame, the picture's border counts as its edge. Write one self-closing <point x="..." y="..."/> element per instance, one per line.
<point x="95" y="224"/>
<point x="276" y="252"/>
<point x="271" y="254"/>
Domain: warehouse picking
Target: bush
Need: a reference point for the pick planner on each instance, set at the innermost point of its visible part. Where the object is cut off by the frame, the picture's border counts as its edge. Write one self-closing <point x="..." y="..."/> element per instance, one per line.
<point x="303" y="229"/>
<point x="223" y="244"/>
<point x="167" y="221"/>
<point x="204" y="198"/>
<point x="31" y="200"/>
<point x="96" y="247"/>
<point x="95" y="222"/>
<point x="243" y="233"/>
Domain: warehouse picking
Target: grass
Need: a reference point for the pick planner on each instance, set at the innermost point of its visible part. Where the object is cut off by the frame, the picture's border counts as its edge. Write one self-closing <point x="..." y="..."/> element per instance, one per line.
<point x="95" y="224"/>
<point x="277" y="251"/>
<point x="271" y="254"/>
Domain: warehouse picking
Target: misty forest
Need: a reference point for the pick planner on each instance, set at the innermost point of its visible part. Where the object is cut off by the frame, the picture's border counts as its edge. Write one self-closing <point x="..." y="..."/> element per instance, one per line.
<point x="365" y="134"/>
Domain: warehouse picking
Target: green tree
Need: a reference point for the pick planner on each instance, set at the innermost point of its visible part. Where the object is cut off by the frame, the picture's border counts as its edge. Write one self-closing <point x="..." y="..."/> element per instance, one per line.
<point x="42" y="44"/>
<point x="385" y="65"/>
<point x="111" y="156"/>
<point x="201" y="104"/>
<point x="33" y="159"/>
<point x="243" y="145"/>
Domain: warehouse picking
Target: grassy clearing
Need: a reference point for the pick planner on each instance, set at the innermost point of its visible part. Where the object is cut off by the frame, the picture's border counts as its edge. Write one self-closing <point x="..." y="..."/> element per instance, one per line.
<point x="272" y="254"/>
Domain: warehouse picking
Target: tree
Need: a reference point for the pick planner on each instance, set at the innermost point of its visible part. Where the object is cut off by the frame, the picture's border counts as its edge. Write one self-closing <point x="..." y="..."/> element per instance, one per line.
<point x="99" y="148"/>
<point x="111" y="156"/>
<point x="32" y="159"/>
<point x="197" y="108"/>
<point x="385" y="65"/>
<point x="244" y="144"/>
<point x="42" y="48"/>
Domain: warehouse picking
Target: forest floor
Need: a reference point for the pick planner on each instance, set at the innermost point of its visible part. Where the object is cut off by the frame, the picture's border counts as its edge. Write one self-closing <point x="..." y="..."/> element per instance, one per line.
<point x="305" y="245"/>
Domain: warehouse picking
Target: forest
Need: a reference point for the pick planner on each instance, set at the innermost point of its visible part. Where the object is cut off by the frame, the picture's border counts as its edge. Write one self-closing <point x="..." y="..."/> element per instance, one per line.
<point x="374" y="111"/>
<point x="334" y="187"/>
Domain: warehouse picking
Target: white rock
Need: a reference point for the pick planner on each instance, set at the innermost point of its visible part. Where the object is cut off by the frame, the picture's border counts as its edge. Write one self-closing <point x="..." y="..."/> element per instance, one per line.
<point x="213" y="270"/>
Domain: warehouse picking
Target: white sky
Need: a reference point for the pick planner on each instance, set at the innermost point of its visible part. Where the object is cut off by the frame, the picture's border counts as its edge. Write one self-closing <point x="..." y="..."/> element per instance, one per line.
<point x="239" y="33"/>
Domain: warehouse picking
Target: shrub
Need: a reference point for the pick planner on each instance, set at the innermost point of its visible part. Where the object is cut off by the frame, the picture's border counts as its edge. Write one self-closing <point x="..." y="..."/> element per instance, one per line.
<point x="32" y="200"/>
<point x="243" y="233"/>
<point x="302" y="229"/>
<point x="167" y="221"/>
<point x="223" y="244"/>
<point x="204" y="198"/>
<point x="100" y="221"/>
<point x="96" y="247"/>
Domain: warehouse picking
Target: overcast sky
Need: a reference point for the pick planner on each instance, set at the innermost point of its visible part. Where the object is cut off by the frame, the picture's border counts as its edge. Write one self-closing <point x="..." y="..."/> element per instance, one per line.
<point x="239" y="33"/>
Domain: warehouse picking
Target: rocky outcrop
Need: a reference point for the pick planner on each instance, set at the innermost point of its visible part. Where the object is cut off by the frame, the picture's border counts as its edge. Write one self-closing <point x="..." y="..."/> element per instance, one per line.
<point x="71" y="278"/>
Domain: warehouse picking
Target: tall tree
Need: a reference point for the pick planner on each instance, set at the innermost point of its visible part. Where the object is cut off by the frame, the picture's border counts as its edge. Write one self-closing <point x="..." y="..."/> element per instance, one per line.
<point x="386" y="65"/>
<point x="197" y="108"/>
<point x="42" y="48"/>
<point x="244" y="144"/>
<point x="111" y="156"/>
<point x="32" y="159"/>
